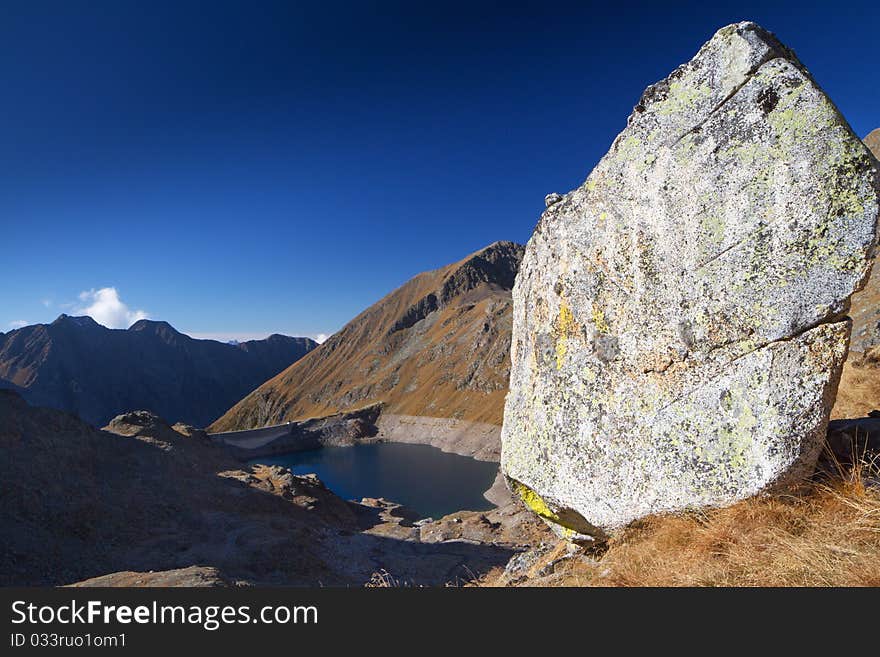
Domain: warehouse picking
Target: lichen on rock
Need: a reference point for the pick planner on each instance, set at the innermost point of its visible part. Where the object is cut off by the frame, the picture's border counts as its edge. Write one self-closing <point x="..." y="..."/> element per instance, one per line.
<point x="680" y="318"/>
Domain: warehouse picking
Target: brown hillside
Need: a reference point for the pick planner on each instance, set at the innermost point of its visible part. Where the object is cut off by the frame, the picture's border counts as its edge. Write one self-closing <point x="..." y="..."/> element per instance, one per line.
<point x="859" y="390"/>
<point x="437" y="346"/>
<point x="873" y="142"/>
<point x="865" y="309"/>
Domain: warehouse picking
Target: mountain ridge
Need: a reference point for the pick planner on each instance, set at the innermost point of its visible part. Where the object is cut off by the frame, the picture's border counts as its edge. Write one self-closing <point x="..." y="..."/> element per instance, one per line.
<point x="438" y="346"/>
<point x="75" y="364"/>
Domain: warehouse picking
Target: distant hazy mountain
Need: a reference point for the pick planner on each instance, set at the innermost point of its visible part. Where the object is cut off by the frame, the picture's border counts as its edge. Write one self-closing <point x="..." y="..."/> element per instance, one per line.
<point x="75" y="364"/>
<point x="437" y="346"/>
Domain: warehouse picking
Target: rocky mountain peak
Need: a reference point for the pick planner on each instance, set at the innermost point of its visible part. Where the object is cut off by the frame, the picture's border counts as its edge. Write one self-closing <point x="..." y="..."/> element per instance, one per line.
<point x="83" y="321"/>
<point x="495" y="264"/>
<point x="151" y="325"/>
<point x="163" y="330"/>
<point x="494" y="267"/>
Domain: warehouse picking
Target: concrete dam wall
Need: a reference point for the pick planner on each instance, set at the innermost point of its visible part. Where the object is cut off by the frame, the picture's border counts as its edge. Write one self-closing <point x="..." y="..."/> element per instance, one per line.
<point x="253" y="438"/>
<point x="341" y="429"/>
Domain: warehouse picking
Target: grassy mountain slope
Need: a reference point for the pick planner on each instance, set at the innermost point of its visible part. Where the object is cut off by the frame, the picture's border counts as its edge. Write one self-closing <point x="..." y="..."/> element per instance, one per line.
<point x="437" y="346"/>
<point x="859" y="390"/>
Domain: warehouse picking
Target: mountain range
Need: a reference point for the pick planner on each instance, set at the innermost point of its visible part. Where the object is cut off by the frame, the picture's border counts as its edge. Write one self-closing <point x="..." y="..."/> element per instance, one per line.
<point x="75" y="364"/>
<point x="437" y="346"/>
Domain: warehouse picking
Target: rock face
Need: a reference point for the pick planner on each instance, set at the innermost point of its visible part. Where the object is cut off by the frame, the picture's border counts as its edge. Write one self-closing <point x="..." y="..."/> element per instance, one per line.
<point x="679" y="319"/>
<point x="194" y="576"/>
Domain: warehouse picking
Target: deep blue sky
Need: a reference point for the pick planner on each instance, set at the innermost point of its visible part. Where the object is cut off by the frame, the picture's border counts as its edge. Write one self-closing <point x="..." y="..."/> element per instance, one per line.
<point x="254" y="167"/>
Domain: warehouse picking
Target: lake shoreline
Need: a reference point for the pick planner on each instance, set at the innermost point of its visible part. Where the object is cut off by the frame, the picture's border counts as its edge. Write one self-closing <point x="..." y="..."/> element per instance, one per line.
<point x="428" y="481"/>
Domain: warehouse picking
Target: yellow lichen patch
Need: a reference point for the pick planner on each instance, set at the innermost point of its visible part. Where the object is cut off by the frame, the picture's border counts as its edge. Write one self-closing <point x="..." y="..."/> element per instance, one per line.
<point x="565" y="326"/>
<point x="750" y="154"/>
<point x="847" y="202"/>
<point x="684" y="150"/>
<point x="599" y="320"/>
<point x="569" y="522"/>
<point x="561" y="350"/>
<point x="683" y="97"/>
<point x="534" y="501"/>
<point x="794" y="122"/>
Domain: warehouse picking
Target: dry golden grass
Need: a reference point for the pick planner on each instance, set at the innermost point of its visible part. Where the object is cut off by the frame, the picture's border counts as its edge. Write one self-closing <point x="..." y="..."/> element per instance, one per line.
<point x="382" y="579"/>
<point x="827" y="535"/>
<point x="859" y="390"/>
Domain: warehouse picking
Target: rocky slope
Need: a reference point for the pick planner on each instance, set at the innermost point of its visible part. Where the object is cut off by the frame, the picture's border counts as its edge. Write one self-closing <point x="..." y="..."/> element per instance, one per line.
<point x="78" y="502"/>
<point x="438" y="346"/>
<point x="865" y="311"/>
<point x="194" y="576"/>
<point x="77" y="365"/>
<point x="143" y="503"/>
<point x="859" y="390"/>
<point x="873" y="141"/>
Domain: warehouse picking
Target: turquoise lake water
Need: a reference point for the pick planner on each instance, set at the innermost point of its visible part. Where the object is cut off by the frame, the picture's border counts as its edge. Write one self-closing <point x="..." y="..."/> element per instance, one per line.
<point x="425" y="479"/>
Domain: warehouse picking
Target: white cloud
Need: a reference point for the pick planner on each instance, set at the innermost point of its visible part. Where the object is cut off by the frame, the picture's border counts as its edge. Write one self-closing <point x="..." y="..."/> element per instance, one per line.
<point x="18" y="323"/>
<point x="105" y="307"/>
<point x="320" y="338"/>
<point x="46" y="302"/>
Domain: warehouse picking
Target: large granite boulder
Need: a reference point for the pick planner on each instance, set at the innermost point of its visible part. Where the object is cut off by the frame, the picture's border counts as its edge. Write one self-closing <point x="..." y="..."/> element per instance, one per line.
<point x="680" y="319"/>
